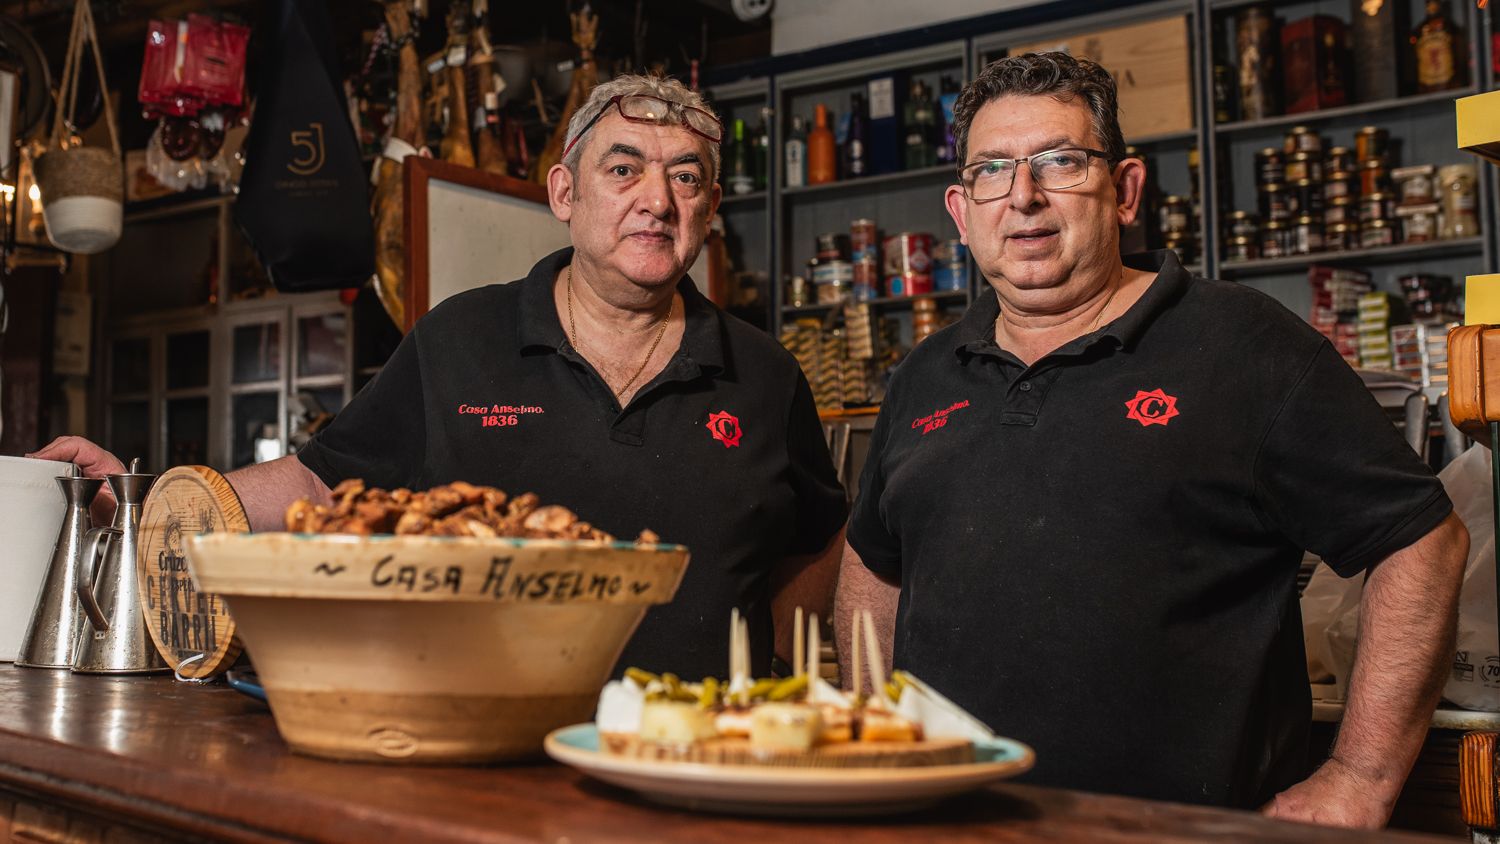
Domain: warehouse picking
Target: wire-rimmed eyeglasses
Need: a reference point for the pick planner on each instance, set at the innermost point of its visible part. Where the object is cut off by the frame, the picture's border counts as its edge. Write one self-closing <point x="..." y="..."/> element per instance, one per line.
<point x="1055" y="169"/>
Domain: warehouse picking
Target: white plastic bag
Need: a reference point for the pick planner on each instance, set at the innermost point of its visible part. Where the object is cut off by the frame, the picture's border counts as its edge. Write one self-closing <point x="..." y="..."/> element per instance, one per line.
<point x="1326" y="601"/>
<point x="1474" y="682"/>
<point x="1330" y="604"/>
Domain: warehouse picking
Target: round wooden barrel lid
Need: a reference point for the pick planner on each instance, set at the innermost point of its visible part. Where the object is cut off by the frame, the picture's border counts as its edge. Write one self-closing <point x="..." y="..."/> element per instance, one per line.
<point x="184" y="622"/>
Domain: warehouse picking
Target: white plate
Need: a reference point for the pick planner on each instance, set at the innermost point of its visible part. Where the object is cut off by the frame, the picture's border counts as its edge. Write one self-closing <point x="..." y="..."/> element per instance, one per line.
<point x="748" y="789"/>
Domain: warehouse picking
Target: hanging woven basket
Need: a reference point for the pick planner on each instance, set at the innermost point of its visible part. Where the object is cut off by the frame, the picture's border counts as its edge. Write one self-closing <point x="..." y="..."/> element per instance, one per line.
<point x="82" y="188"/>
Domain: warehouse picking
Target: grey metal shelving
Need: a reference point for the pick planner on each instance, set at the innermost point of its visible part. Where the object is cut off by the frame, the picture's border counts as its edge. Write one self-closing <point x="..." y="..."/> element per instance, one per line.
<point x="1398" y="253"/>
<point x="1370" y="109"/>
<point x="867" y="183"/>
<point x="792" y="216"/>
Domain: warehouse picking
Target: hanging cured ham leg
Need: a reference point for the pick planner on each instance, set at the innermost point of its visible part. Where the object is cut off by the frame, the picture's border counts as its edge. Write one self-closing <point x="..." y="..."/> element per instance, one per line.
<point x="404" y="140"/>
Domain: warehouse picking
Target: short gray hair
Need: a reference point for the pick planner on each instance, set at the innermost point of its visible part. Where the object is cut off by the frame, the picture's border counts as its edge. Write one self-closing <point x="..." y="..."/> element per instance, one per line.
<point x="1056" y="75"/>
<point x="662" y="87"/>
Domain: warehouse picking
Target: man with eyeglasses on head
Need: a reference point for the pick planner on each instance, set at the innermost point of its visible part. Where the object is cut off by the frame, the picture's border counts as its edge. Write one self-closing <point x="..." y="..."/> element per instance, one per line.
<point x="1085" y="504"/>
<point x="605" y="382"/>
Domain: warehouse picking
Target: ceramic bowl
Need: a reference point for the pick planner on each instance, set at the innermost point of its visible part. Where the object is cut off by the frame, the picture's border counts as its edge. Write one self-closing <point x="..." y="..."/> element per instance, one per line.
<point x="431" y="649"/>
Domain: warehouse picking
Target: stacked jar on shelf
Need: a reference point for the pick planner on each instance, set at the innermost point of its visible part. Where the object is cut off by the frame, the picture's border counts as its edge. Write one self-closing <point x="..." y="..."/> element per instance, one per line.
<point x="1315" y="199"/>
<point x="851" y="267"/>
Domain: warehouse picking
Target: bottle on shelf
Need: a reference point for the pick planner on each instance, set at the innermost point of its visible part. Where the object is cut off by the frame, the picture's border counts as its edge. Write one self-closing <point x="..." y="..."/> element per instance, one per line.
<point x="921" y="121"/>
<point x="856" y="161"/>
<point x="820" y="149"/>
<point x="1441" y="57"/>
<point x="738" y="177"/>
<point x="794" y="157"/>
<point x="947" y="150"/>
<point x="761" y="150"/>
<point x="719" y="269"/>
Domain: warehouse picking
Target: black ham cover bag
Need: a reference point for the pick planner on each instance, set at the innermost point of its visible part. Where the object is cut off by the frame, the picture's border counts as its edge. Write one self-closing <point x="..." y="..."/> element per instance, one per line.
<point x="303" y="201"/>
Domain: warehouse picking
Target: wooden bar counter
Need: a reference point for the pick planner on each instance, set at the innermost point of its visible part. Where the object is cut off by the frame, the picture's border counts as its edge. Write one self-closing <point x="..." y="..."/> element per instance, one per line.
<point x="128" y="759"/>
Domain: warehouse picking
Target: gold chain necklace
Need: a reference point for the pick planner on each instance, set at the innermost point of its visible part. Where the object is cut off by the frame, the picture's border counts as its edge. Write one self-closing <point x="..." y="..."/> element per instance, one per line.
<point x="1107" y="300"/>
<point x="662" y="332"/>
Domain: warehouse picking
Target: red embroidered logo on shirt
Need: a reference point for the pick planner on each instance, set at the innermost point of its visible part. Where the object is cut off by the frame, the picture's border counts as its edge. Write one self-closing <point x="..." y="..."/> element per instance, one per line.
<point x="725" y="427"/>
<point x="1153" y="408"/>
<point x="937" y="418"/>
<point x="498" y="415"/>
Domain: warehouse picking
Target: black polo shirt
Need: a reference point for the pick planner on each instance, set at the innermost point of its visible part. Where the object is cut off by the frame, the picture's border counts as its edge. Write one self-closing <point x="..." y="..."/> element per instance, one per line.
<point x="1098" y="553"/>
<point x="487" y="389"/>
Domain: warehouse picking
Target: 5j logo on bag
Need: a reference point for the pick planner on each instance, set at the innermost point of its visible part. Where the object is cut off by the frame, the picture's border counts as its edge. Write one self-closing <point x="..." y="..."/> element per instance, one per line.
<point x="310" y="141"/>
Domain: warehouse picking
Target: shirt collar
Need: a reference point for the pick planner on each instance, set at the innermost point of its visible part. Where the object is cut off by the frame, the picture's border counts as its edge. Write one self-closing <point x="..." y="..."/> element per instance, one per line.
<point x="702" y="339"/>
<point x="977" y="327"/>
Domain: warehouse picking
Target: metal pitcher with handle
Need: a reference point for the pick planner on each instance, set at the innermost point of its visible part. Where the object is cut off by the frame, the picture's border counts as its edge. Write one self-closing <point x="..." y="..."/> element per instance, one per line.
<point x="113" y="638"/>
<point x="53" y="634"/>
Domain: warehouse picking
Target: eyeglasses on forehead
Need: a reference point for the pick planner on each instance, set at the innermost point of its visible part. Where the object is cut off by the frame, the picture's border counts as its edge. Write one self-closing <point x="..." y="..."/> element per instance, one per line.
<point x="644" y="108"/>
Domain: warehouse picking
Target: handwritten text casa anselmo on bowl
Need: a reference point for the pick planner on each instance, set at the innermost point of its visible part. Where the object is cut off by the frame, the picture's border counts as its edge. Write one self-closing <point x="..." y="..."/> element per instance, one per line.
<point x="532" y="584"/>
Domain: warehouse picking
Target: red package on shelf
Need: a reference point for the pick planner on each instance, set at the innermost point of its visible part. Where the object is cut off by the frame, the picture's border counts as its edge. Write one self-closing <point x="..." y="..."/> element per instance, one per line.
<point x="160" y="76"/>
<point x="213" y="67"/>
<point x="191" y="65"/>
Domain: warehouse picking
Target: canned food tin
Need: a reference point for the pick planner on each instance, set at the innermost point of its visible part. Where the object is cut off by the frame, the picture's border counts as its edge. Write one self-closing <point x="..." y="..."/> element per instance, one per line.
<point x="833" y="292"/>
<point x="1175" y="215"/>
<point x="833" y="246"/>
<point x="864" y="240"/>
<point x="1415" y="185"/>
<point x="1370" y="143"/>
<point x="1273" y="239"/>
<point x="1274" y="205"/>
<point x="950" y="277"/>
<point x="797" y="293"/>
<point x="827" y="272"/>
<point x="866" y="278"/>
<point x="1376" y="206"/>
<point x="1339" y="158"/>
<point x="1372" y="175"/>
<point x="950" y="252"/>
<point x="1243" y="224"/>
<point x="1376" y="233"/>
<point x="1242" y="249"/>
<point x="1456" y="187"/>
<point x="1341" y="236"/>
<point x="1306" y="236"/>
<point x="908" y="263"/>
<point x="1304" y="165"/>
<point x="1340" y="183"/>
<point x="1184" y="244"/>
<point x="1340" y="209"/>
<point x="910" y="284"/>
<point x="1419" y="223"/>
<point x="1302" y="139"/>
<point x="1270" y="166"/>
<point x="1306" y="197"/>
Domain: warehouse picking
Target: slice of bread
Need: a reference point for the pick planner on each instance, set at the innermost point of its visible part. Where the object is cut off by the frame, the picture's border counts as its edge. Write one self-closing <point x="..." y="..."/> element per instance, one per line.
<point x="738" y="751"/>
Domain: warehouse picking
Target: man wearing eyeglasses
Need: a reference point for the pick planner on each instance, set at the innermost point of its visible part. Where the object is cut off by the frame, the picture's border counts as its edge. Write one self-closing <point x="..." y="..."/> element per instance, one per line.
<point x="605" y="382"/>
<point x="1085" y="503"/>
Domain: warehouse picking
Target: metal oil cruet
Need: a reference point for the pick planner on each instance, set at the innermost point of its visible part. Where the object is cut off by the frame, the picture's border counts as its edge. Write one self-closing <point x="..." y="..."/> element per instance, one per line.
<point x="52" y="637"/>
<point x="113" y="638"/>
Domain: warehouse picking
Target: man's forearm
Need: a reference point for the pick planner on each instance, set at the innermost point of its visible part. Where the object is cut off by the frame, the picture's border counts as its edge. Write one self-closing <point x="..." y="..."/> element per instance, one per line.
<point x="1407" y="622"/>
<point x="860" y="589"/>
<point x="804" y="581"/>
<point x="267" y="489"/>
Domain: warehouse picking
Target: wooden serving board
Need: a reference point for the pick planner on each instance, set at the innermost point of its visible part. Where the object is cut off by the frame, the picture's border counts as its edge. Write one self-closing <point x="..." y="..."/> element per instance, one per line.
<point x="183" y="621"/>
